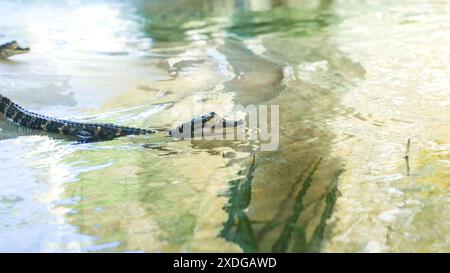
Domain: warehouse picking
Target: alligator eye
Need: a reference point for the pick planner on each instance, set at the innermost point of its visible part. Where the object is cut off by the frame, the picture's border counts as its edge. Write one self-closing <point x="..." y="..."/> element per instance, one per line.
<point x="83" y="135"/>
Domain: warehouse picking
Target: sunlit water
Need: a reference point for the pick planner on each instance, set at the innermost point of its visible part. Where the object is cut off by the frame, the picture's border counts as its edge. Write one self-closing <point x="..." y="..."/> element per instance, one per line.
<point x="354" y="81"/>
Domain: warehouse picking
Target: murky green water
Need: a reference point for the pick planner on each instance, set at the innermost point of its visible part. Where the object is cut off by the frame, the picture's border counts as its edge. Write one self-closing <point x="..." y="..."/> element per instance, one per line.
<point x="353" y="80"/>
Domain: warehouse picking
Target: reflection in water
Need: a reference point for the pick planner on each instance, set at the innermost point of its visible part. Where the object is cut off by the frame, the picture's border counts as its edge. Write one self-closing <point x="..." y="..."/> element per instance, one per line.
<point x="261" y="76"/>
<point x="293" y="189"/>
<point x="348" y="104"/>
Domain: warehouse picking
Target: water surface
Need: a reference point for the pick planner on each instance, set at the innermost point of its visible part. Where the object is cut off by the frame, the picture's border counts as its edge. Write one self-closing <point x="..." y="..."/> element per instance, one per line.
<point x="354" y="81"/>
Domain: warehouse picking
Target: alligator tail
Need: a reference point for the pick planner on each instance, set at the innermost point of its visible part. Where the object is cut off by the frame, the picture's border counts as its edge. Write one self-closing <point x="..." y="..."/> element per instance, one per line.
<point x="82" y="131"/>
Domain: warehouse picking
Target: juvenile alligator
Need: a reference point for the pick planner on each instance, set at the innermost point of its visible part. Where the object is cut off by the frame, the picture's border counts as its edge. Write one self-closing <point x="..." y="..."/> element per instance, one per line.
<point x="88" y="132"/>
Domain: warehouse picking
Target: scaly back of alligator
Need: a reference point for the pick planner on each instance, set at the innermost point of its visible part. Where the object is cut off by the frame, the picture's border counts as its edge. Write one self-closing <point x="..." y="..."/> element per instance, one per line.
<point x="80" y="130"/>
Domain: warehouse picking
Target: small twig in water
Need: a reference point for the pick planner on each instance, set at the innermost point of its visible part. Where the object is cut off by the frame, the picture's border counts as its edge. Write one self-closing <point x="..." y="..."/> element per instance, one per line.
<point x="408" y="144"/>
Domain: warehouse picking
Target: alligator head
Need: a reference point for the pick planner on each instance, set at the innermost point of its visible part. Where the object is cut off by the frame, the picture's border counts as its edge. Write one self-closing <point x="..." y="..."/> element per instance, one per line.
<point x="197" y="126"/>
<point x="12" y="48"/>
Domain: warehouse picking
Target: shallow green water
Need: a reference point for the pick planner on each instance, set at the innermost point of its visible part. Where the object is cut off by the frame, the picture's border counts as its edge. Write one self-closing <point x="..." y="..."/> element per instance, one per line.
<point x="354" y="81"/>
